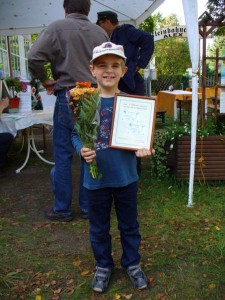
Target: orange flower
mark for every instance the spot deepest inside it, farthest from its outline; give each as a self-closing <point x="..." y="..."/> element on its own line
<point x="84" y="102"/>
<point x="82" y="91"/>
<point x="85" y="84"/>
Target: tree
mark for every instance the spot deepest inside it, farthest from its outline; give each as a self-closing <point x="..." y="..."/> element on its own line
<point x="216" y="9"/>
<point x="171" y="55"/>
<point x="218" y="43"/>
<point x="151" y="23"/>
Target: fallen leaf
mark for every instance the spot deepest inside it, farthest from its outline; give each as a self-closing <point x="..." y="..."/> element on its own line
<point x="117" y="296"/>
<point x="190" y="240"/>
<point x="212" y="286"/>
<point x="58" y="291"/>
<point x="70" y="281"/>
<point x="160" y="274"/>
<point x="38" y="297"/>
<point x="69" y="291"/>
<point x="152" y="281"/>
<point x="161" y="296"/>
<point x="204" y="220"/>
<point x="19" y="270"/>
<point x="217" y="228"/>
<point x="84" y="273"/>
<point x="207" y="229"/>
<point x="37" y="282"/>
<point x="77" y="263"/>
<point x="128" y="296"/>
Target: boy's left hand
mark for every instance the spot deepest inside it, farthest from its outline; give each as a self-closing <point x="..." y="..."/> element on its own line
<point x="144" y="152"/>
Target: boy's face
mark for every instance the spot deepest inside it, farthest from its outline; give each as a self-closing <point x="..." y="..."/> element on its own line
<point x="108" y="69"/>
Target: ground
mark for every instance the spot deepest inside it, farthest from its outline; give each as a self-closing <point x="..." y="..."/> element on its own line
<point x="30" y="190"/>
<point x="182" y="249"/>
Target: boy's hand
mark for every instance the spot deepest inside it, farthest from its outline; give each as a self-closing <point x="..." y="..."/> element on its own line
<point x="88" y="154"/>
<point x="144" y="152"/>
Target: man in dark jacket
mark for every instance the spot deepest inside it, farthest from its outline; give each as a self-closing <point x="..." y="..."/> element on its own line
<point x="138" y="47"/>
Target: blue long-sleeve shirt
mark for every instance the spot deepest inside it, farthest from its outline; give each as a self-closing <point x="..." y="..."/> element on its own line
<point x="118" y="167"/>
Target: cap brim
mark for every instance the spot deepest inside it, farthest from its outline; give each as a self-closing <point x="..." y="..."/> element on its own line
<point x="108" y="52"/>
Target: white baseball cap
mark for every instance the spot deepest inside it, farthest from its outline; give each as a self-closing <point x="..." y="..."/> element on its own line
<point x="108" y="48"/>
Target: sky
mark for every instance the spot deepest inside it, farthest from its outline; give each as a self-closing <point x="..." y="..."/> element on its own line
<point x="176" y="7"/>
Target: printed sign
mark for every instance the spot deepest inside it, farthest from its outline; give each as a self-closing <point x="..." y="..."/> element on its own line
<point x="170" y="32"/>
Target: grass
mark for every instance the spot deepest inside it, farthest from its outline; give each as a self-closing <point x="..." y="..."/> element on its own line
<point x="182" y="249"/>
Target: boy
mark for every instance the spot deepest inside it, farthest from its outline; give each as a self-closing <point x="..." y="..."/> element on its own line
<point x="119" y="178"/>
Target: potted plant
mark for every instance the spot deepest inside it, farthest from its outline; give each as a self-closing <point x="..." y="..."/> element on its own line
<point x="209" y="154"/>
<point x="15" y="86"/>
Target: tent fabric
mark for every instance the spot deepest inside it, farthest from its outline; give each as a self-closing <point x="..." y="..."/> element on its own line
<point x="191" y="18"/>
<point x="31" y="16"/>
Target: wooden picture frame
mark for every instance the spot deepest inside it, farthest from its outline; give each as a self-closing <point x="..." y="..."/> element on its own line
<point x="133" y="122"/>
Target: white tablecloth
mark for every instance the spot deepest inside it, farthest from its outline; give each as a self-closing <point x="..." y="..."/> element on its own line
<point x="17" y="121"/>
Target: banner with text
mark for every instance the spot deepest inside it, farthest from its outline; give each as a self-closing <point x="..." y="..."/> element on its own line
<point x="170" y="32"/>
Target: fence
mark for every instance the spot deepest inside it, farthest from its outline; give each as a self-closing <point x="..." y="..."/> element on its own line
<point x="177" y="81"/>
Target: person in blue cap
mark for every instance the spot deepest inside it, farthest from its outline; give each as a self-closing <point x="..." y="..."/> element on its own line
<point x="138" y="47"/>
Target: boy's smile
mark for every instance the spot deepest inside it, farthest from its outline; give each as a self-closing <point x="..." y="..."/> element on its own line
<point x="108" y="69"/>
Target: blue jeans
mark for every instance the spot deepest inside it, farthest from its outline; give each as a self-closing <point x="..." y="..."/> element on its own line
<point x="125" y="202"/>
<point x="61" y="173"/>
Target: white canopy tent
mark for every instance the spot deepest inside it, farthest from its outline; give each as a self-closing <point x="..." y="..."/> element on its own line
<point x="30" y="16"/>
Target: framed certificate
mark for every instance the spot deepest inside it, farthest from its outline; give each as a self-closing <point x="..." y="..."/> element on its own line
<point x="133" y="122"/>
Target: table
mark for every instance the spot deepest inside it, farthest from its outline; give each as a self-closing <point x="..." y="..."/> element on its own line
<point x="168" y="100"/>
<point x="24" y="121"/>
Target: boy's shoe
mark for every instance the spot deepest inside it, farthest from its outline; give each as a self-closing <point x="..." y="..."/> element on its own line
<point x="137" y="276"/>
<point x="101" y="279"/>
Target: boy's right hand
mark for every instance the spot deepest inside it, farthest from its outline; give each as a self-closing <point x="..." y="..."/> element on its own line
<point x="88" y="154"/>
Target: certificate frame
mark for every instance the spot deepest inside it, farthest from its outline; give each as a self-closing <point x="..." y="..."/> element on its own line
<point x="133" y="122"/>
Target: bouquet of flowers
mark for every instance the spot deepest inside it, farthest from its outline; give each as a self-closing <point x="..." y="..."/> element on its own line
<point x="84" y="101"/>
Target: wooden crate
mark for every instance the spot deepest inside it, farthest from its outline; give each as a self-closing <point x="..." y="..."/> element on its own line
<point x="211" y="149"/>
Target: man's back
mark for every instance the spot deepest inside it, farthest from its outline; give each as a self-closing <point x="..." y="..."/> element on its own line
<point x="68" y="45"/>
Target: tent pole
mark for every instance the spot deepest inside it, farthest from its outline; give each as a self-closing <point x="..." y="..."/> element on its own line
<point x="9" y="56"/>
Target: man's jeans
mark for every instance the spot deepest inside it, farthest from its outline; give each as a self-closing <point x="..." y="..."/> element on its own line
<point x="61" y="173"/>
<point x="125" y="202"/>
